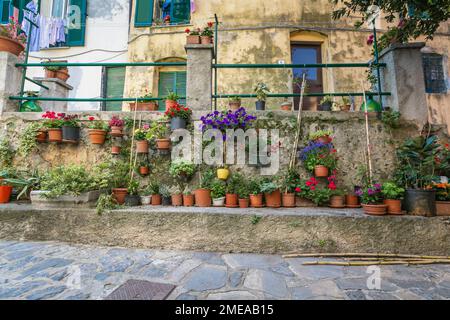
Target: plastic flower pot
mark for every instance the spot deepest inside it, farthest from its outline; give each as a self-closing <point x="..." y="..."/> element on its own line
<point x="219" y="202"/>
<point x="71" y="134"/>
<point x="192" y="39"/>
<point x="234" y="105"/>
<point x="231" y="200"/>
<point x="260" y="105"/>
<point x="321" y="171"/>
<point x="375" y="209"/>
<point x="304" y="203"/>
<point x="188" y="200"/>
<point x="115" y="150"/>
<point x="146" y="200"/>
<point x="166" y="201"/>
<point x="5" y="193"/>
<point x="54" y="135"/>
<point x="325" y="106"/>
<point x="273" y="200"/>
<point x="163" y="144"/>
<point x="288" y="200"/>
<point x="144" y="170"/>
<point x="256" y="200"/>
<point x="97" y="136"/>
<point x="120" y="194"/>
<point x="142" y="146"/>
<point x="352" y="201"/>
<point x="177" y="123"/>
<point x="244" y="203"/>
<point x="132" y="200"/>
<point x="41" y="136"/>
<point x="420" y="202"/>
<point x="177" y="200"/>
<point x="393" y="206"/>
<point x="337" y="202"/>
<point x="223" y="174"/>
<point x="156" y="200"/>
<point x="116" y="131"/>
<point x="171" y="104"/>
<point x="443" y="208"/>
<point x="144" y="106"/>
<point x="11" y="46"/>
<point x="203" y="198"/>
<point x="62" y="74"/>
<point x="205" y="40"/>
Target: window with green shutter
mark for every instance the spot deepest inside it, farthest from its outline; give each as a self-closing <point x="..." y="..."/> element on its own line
<point x="144" y="13"/>
<point x="180" y="11"/>
<point x="113" y="86"/>
<point x="77" y="25"/>
<point x="172" y="82"/>
<point x="6" y="11"/>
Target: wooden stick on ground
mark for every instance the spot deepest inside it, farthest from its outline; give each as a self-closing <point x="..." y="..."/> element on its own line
<point x="365" y="255"/>
<point x="372" y="263"/>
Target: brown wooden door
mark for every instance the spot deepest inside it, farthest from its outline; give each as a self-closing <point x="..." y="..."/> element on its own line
<point x="305" y="53"/>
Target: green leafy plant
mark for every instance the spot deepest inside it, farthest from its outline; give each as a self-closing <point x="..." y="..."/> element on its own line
<point x="97" y="124"/>
<point x="157" y="130"/>
<point x="391" y="119"/>
<point x="182" y="168"/>
<point x="269" y="186"/>
<point x="243" y="189"/>
<point x="254" y="186"/>
<point x="187" y="190"/>
<point x="218" y="189"/>
<point x="327" y="100"/>
<point x="290" y="181"/>
<point x="164" y="191"/>
<point x="114" y="174"/>
<point x="153" y="188"/>
<point x="175" y="189"/>
<point x="206" y="179"/>
<point x="6" y="154"/>
<point x="28" y="138"/>
<point x="261" y="91"/>
<point x="391" y="191"/>
<point x="320" y="134"/>
<point x="133" y="187"/>
<point x="256" y="219"/>
<point x="172" y="96"/>
<point x="140" y="134"/>
<point x="25" y="183"/>
<point x="105" y="203"/>
<point x="235" y="99"/>
<point x="233" y="183"/>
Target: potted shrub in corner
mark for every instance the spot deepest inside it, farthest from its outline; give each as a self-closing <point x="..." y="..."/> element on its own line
<point x="203" y="192"/>
<point x="256" y="197"/>
<point x="12" y="39"/>
<point x="70" y="128"/>
<point x="193" y="36"/>
<point x="218" y="190"/>
<point x="97" y="130"/>
<point x="272" y="194"/>
<point x="116" y="126"/>
<point x="171" y="100"/>
<point x="372" y="200"/>
<point x="154" y="190"/>
<point x="179" y="116"/>
<point x="261" y="91"/>
<point x="393" y="196"/>
<point x="234" y="103"/>
<point x="132" y="199"/>
<point x="53" y="123"/>
<point x="231" y="196"/>
<point x="188" y="197"/>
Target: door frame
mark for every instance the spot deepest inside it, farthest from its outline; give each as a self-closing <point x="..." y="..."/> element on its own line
<point x="311" y="44"/>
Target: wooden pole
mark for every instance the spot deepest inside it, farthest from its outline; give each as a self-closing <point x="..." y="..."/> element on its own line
<point x="365" y="255"/>
<point x="372" y="263"/>
<point x="299" y="124"/>
<point x="132" y="140"/>
<point x="369" y="153"/>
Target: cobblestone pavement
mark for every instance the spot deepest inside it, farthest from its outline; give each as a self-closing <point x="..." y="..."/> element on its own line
<point x="30" y="270"/>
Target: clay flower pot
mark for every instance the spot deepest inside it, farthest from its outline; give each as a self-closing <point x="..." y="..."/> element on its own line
<point x="62" y="74"/>
<point x="234" y="105"/>
<point x="244" y="203"/>
<point x="443" y="208"/>
<point x="286" y="107"/>
<point x="231" y="200"/>
<point x="321" y="171"/>
<point x="188" y="200"/>
<point x="223" y="174"/>
<point x="142" y="146"/>
<point x="273" y="200"/>
<point x="54" y="135"/>
<point x="352" y="201"/>
<point x="177" y="200"/>
<point x="97" y="136"/>
<point x="205" y="40"/>
<point x="171" y="104"/>
<point x="41" y="136"/>
<point x="5" y="193"/>
<point x="156" y="200"/>
<point x="203" y="198"/>
<point x="144" y="170"/>
<point x="192" y="39"/>
<point x="256" y="200"/>
<point x="337" y="202"/>
<point x="144" y="106"/>
<point x="288" y="200"/>
<point x="116" y="131"/>
<point x="393" y="206"/>
<point x="50" y="74"/>
<point x="163" y="144"/>
<point x="375" y="209"/>
<point x="120" y="194"/>
<point x="11" y="46"/>
<point x="115" y="150"/>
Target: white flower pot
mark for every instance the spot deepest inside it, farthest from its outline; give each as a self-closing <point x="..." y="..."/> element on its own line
<point x="146" y="200"/>
<point x="219" y="202"/>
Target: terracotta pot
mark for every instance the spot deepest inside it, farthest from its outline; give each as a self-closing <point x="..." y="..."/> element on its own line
<point x="193" y="39"/>
<point x="273" y="200"/>
<point x="443" y="208"/>
<point x="304" y="203"/>
<point x="256" y="200"/>
<point x="50" y="74"/>
<point x="375" y="209"/>
<point x="234" y="105"/>
<point x="120" y="194"/>
<point x="170" y="104"/>
<point x="352" y="201"/>
<point x="286" y="107"/>
<point x="231" y="200"/>
<point x="163" y="144"/>
<point x="321" y="171"/>
<point x="54" y="135"/>
<point x="5" y="193"/>
<point x="337" y="202"/>
<point x="144" y="171"/>
<point x="346" y="107"/>
<point x="97" y="136"/>
<point x="203" y="198"/>
<point x="205" y="40"/>
<point x="115" y="150"/>
<point x="11" y="46"/>
<point x="177" y="200"/>
<point x="288" y="200"/>
<point x="393" y="206"/>
<point x="62" y="74"/>
<point x="116" y="131"/>
<point x="142" y="146"/>
<point x="41" y="136"/>
<point x="156" y="200"/>
<point x="244" y="203"/>
<point x="223" y="174"/>
<point x="144" y="106"/>
<point x="324" y="139"/>
<point x="188" y="200"/>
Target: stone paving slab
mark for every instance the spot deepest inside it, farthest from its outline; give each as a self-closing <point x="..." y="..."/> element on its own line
<point x="51" y="270"/>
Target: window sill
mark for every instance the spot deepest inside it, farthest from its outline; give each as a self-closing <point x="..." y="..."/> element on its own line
<point x="55" y="48"/>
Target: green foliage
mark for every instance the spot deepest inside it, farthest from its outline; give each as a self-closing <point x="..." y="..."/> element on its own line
<point x="187" y="190"/>
<point x="106" y="202"/>
<point x="290" y="181"/>
<point x="235" y="99"/>
<point x="153" y="188"/>
<point x="172" y="96"/>
<point x="392" y="192"/>
<point x="327" y="99"/>
<point x="207" y="178"/>
<point x="133" y="187"/>
<point x="25" y="182"/>
<point x="164" y="191"/>
<point x="254" y="186"/>
<point x="218" y="189"/>
<point x="158" y="130"/>
<point x="6" y="154"/>
<point x="269" y="186"/>
<point x="115" y="174"/>
<point x="261" y="91"/>
<point x="234" y="182"/>
<point x="182" y="168"/>
<point x="28" y="138"/>
<point x="391" y="119"/>
<point x="256" y="219"/>
<point x="243" y="189"/>
<point x="319" y="196"/>
<point x="319" y="134"/>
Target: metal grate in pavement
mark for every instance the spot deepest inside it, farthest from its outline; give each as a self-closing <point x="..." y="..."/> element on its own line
<point x="141" y="290"/>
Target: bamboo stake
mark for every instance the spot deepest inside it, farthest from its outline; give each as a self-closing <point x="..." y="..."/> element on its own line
<point x="368" y="263"/>
<point x="364" y="255"/>
<point x="132" y="139"/>
<point x="366" y="113"/>
<point x="299" y="124"/>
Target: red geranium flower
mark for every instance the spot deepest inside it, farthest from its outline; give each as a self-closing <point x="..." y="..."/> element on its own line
<point x="187" y="30"/>
<point x="210" y="24"/>
<point x="91" y="118"/>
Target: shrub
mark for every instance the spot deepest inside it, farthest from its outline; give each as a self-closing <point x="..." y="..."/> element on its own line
<point x="182" y="168"/>
<point x="392" y="192"/>
<point x="218" y="189"/>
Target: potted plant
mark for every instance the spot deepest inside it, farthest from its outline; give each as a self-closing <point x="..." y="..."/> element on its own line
<point x="171" y="100"/>
<point x="132" y="199"/>
<point x="144" y="169"/>
<point x="261" y="91"/>
<point x="234" y="103"/>
<point x="53" y="123"/>
<point x="231" y="196"/>
<point x="243" y="192"/>
<point x="146" y="197"/>
<point x="116" y="126"/>
<point x="119" y="178"/>
<point x="176" y="196"/>
<point x="58" y="72"/>
<point x="372" y="200"/>
<point x="326" y="104"/>
<point x="337" y="198"/>
<point x="207" y="34"/>
<point x="97" y="130"/>
<point x="188" y="197"/>
<point x="352" y="200"/>
<point x="393" y="196"/>
<point x="115" y="149"/>
<point x="271" y="191"/>
<point x="442" y="198"/>
<point x="70" y="128"/>
<point x="286" y="106"/>
<point x="5" y="191"/>
<point x="141" y="135"/>
<point x="223" y="173"/>
<point x="193" y="36"/>
<point x="154" y="190"/>
<point x="256" y="197"/>
<point x="12" y="38"/>
<point x="41" y="133"/>
<point x="166" y="197"/>
<point x="323" y="136"/>
<point x="416" y="171"/>
<point x="179" y="116"/>
<point x="303" y="192"/>
<point x="346" y="105"/>
<point x="159" y="132"/>
<point x="143" y="103"/>
<point x="182" y="169"/>
<point x="218" y="190"/>
<point x="167" y="20"/>
<point x="203" y="193"/>
<point x="290" y="183"/>
<point x="319" y="158"/>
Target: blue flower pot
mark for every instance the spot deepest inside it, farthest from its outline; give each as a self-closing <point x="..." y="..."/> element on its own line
<point x="177" y="123"/>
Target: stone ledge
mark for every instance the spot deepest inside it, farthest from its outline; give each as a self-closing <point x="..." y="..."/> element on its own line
<point x="54" y="80"/>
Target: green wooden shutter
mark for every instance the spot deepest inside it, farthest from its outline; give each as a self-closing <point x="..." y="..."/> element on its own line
<point x="76" y="36"/>
<point x="5" y="11"/>
<point x="115" y="83"/>
<point x="144" y="13"/>
<point x="172" y="82"/>
<point x="181" y="11"/>
<point x="181" y="86"/>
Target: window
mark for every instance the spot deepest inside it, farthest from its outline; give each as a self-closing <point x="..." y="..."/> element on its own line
<point x="172" y="82"/>
<point x="77" y="23"/>
<point x="148" y="11"/>
<point x="433" y="69"/>
<point x="178" y="10"/>
<point x="6" y="11"/>
<point x="113" y="86"/>
<point x="59" y="8"/>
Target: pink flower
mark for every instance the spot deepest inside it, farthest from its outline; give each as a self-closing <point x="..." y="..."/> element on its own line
<point x="370" y="40"/>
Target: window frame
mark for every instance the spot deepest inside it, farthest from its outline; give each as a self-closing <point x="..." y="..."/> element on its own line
<point x="104" y="86"/>
<point x="431" y="66"/>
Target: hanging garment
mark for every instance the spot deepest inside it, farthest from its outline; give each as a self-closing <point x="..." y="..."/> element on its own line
<point x="192" y="6"/>
<point x="60" y="31"/>
<point x="166" y="8"/>
<point x="34" y="36"/>
<point x="45" y="32"/>
<point x="52" y="31"/>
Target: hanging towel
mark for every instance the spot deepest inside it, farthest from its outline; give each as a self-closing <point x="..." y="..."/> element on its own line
<point x="192" y="6"/>
<point x="52" y="31"/>
<point x="34" y="37"/>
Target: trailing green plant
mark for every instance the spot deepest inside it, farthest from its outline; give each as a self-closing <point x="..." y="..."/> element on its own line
<point x="261" y="91"/>
<point x="182" y="168"/>
<point x="391" y="191"/>
<point x="105" y="203"/>
<point x="391" y="119"/>
<point x="6" y="154"/>
<point x="218" y="189"/>
<point x="28" y="138"/>
<point x="157" y="130"/>
<point x="269" y="186"/>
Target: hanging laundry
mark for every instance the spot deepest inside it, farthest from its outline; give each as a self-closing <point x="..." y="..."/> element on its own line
<point x="52" y="32"/>
<point x="192" y="6"/>
<point x="61" y="32"/>
<point x="45" y="32"/>
<point x="34" y="37"/>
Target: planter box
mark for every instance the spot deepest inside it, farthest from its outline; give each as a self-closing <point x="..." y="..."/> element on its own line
<point x="443" y="208"/>
<point x="85" y="200"/>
